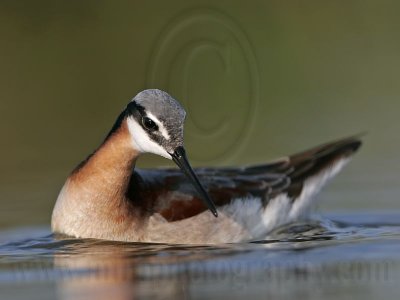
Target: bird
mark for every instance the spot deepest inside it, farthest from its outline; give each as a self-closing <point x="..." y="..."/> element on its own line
<point x="107" y="197"/>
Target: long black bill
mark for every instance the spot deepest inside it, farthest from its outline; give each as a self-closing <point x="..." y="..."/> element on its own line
<point x="179" y="157"/>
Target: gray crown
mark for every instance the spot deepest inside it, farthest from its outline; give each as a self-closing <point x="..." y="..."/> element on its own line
<point x="168" y="111"/>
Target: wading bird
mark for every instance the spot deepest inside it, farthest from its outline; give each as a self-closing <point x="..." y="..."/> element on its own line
<point x="106" y="197"/>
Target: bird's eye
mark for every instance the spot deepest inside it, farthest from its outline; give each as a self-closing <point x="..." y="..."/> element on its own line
<point x="149" y="124"/>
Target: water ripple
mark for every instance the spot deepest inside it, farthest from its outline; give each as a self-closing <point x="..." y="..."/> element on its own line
<point x="317" y="250"/>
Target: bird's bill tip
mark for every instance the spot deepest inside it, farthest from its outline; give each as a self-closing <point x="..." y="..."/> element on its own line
<point x="179" y="157"/>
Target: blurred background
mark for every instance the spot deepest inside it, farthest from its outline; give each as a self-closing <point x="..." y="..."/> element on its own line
<point x="259" y="80"/>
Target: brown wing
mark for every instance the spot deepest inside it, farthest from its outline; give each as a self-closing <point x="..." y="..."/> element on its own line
<point x="168" y="192"/>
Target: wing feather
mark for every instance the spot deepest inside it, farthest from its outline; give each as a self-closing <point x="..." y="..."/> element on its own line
<point x="168" y="192"/>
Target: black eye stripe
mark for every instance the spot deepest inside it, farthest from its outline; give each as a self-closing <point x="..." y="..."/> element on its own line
<point x="149" y="124"/>
<point x="133" y="108"/>
<point x="139" y="113"/>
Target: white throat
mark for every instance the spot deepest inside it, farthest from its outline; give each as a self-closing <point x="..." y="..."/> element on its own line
<point x="142" y="142"/>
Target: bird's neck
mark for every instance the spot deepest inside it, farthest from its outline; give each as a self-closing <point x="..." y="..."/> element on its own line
<point x="96" y="189"/>
<point x="106" y="173"/>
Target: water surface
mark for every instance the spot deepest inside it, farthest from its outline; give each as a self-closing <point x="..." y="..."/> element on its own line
<point x="345" y="255"/>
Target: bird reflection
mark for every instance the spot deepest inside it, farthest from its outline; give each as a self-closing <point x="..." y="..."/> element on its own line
<point x="97" y="269"/>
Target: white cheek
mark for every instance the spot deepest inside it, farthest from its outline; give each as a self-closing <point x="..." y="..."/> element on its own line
<point x="142" y="142"/>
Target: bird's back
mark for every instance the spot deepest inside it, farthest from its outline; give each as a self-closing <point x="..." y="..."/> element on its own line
<point x="169" y="193"/>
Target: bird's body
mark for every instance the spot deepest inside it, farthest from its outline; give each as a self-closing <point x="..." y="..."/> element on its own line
<point x="105" y="197"/>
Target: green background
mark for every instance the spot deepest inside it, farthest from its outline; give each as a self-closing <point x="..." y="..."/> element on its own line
<point x="260" y="79"/>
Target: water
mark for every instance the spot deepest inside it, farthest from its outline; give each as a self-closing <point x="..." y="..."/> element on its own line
<point x="347" y="256"/>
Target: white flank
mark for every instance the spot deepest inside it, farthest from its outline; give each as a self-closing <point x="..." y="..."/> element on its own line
<point x="303" y="204"/>
<point x="258" y="221"/>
